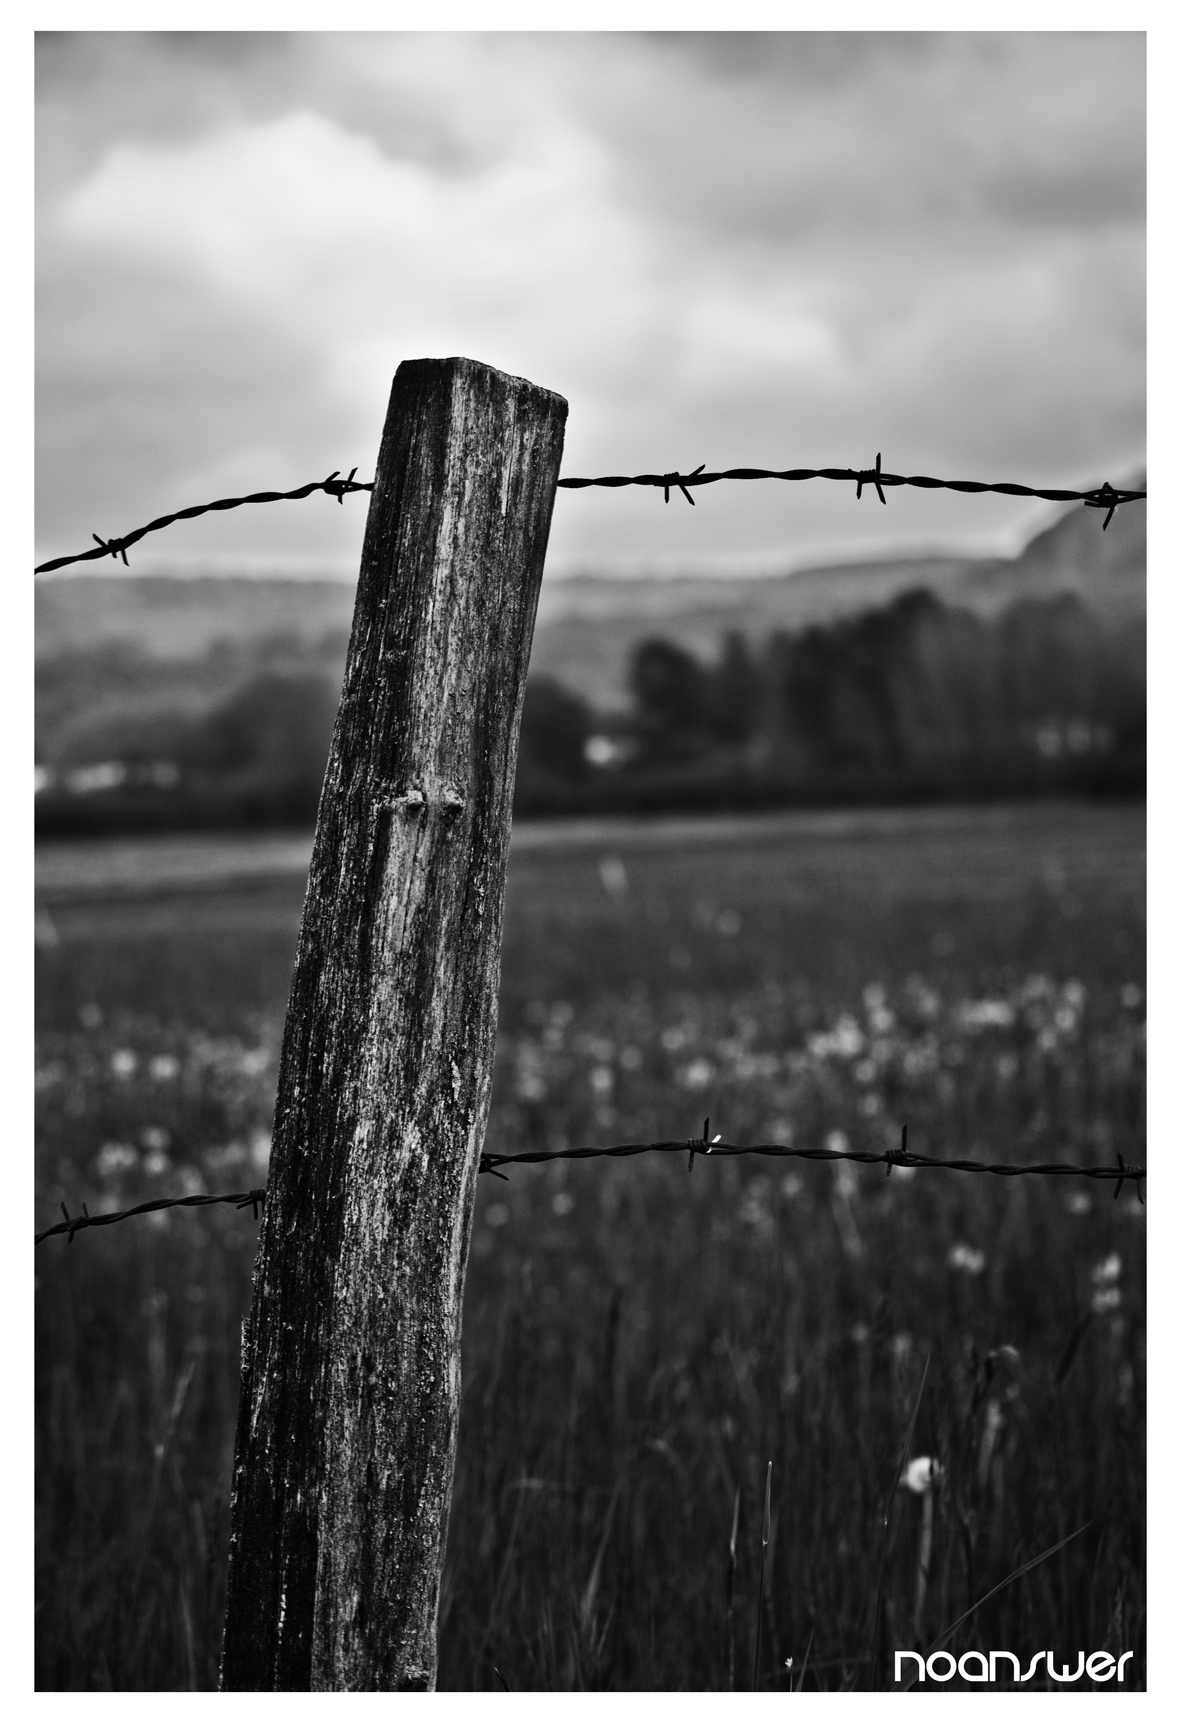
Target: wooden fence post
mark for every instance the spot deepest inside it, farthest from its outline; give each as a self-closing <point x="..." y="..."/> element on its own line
<point x="350" y="1371"/>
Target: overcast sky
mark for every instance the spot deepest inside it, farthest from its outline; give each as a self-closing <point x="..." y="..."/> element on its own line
<point x="770" y="250"/>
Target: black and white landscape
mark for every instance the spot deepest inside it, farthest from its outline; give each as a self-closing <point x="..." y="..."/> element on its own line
<point x="828" y="829"/>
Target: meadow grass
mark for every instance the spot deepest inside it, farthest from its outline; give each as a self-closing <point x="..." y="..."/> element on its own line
<point x="640" y="1342"/>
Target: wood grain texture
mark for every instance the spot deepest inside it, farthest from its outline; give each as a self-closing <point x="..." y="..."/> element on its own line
<point x="350" y="1378"/>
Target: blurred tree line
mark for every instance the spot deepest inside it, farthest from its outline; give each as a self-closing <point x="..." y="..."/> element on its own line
<point x="913" y="700"/>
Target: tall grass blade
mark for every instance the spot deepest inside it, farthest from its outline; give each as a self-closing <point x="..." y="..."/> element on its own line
<point x="733" y="1569"/>
<point x="754" y="1679"/>
<point x="1026" y="1567"/>
<point x="877" y="1602"/>
<point x="798" y="1688"/>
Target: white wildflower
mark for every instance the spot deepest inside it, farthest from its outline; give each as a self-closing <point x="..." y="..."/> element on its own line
<point x="921" y="1474"/>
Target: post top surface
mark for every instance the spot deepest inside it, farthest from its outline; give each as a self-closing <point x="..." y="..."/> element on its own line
<point x="477" y="367"/>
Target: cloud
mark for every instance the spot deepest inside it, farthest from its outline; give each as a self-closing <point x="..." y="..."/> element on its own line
<point x="787" y="248"/>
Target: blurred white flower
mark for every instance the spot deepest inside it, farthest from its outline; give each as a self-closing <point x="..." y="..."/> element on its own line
<point x="791" y="1185"/>
<point x="115" y="1158"/>
<point x="877" y="1014"/>
<point x="1108" y="1271"/>
<point x="837" y="1143"/>
<point x="260" y="1150"/>
<point x="163" y="1068"/>
<point x="1129" y="996"/>
<point x="673" y="1038"/>
<point x="614" y="877"/>
<point x="963" y="1257"/>
<point x="1078" y="1202"/>
<point x="562" y="1203"/>
<point x="976" y="1014"/>
<point x="845" y="1179"/>
<point x="922" y="1057"/>
<point x="847" y="1038"/>
<point x="921" y="1474"/>
<point x="729" y="923"/>
<point x="922" y="998"/>
<point x="631" y="1058"/>
<point x="1105" y="1300"/>
<point x="231" y="1154"/>
<point x="154" y="1137"/>
<point x="602" y="1079"/>
<point x="497" y="1215"/>
<point x="123" y="1062"/>
<point x="696" y="1075"/>
<point x="753" y="1210"/>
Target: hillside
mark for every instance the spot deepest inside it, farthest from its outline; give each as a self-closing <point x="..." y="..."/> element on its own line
<point x="587" y="625"/>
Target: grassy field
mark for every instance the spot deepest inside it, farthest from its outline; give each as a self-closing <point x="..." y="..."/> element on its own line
<point x="638" y="1342"/>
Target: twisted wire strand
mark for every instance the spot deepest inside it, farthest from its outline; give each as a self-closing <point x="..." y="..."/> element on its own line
<point x="1104" y="496"/>
<point x="333" y="485"/>
<point x="717" y="1149"/>
<point x="77" y="1223"/>
<point x="889" y="1158"/>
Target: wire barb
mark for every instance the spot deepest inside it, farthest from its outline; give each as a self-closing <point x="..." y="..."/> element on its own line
<point x="1105" y="497"/>
<point x="679" y="479"/>
<point x="872" y="476"/>
<point x="116" y="547"/>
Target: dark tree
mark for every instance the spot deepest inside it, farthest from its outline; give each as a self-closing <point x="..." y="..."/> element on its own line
<point x="555" y="725"/>
<point x="671" y="693"/>
<point x="736" y="707"/>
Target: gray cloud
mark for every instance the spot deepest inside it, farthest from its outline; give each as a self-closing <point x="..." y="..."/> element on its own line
<point x="754" y="248"/>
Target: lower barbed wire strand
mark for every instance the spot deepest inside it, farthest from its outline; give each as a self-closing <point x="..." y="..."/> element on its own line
<point x="491" y="1163"/>
<point x="78" y="1223"/>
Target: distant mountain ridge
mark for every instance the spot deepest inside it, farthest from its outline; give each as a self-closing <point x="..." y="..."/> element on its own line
<point x="587" y="625"/>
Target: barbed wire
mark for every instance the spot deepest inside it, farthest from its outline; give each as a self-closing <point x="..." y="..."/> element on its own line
<point x="889" y="1158"/>
<point x="1104" y="496"/>
<point x="334" y="485"/>
<point x="694" y="1146"/>
<point x="77" y="1223"/>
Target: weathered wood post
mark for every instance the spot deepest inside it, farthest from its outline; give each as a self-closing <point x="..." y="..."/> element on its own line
<point x="350" y="1374"/>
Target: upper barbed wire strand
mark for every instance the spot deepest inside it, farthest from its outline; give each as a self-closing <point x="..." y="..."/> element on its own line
<point x="1103" y="496"/>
